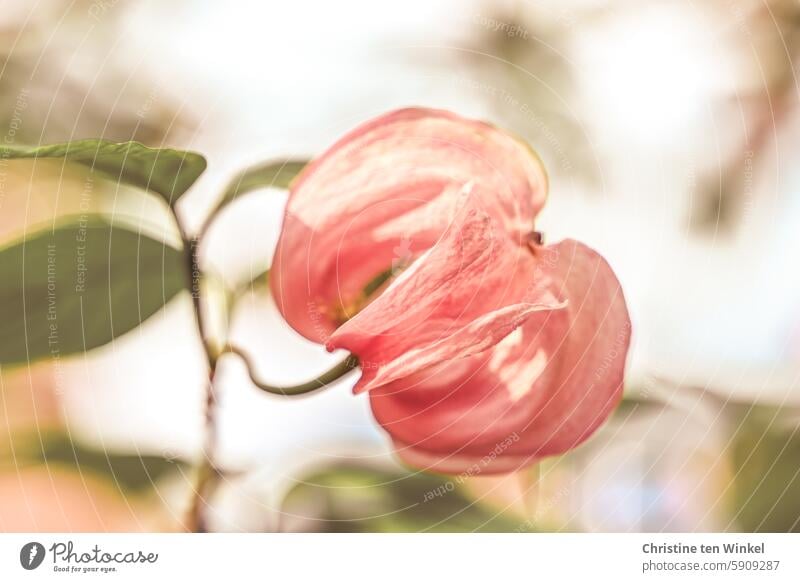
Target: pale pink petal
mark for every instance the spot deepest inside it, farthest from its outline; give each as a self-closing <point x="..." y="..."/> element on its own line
<point x="547" y="386"/>
<point x="392" y="184"/>
<point x="462" y="297"/>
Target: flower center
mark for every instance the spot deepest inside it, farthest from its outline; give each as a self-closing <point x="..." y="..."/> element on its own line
<point x="349" y="308"/>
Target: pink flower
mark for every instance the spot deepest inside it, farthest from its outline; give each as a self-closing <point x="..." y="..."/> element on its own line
<point x="484" y="349"/>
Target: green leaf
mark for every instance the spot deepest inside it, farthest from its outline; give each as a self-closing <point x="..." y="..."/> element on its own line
<point x="256" y="283"/>
<point x="267" y="175"/>
<point x="78" y="286"/>
<point x="167" y="172"/>
<point x="766" y="459"/>
<point x="130" y="472"/>
<point x="354" y="498"/>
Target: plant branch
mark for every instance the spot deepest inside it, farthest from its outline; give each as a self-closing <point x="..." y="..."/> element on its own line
<point x="339" y="371"/>
<point x="207" y="472"/>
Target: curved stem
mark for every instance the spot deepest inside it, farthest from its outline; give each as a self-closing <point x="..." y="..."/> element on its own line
<point x="339" y="371"/>
<point x="208" y="472"/>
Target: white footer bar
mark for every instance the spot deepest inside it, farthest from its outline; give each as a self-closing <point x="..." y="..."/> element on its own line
<point x="400" y="557"/>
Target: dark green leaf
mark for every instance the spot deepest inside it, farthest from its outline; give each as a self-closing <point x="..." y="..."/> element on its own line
<point x="167" y="172"/>
<point x="130" y="472"/>
<point x="766" y="458"/>
<point x="267" y="175"/>
<point x="363" y="499"/>
<point x="78" y="286"/>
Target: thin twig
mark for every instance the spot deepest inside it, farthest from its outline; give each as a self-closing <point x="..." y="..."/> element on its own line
<point x="339" y="371"/>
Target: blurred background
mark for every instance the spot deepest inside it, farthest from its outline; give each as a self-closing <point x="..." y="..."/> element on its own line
<point x="669" y="130"/>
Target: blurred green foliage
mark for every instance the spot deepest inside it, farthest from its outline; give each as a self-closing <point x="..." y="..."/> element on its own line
<point x="766" y="456"/>
<point x="129" y="472"/>
<point x="350" y="498"/>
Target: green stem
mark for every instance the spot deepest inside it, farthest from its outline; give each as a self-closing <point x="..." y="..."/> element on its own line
<point x="339" y="371"/>
<point x="207" y="471"/>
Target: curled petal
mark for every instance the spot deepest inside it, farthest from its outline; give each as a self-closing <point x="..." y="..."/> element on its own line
<point x="540" y="391"/>
<point x="487" y="351"/>
<point x="384" y="194"/>
<point x="466" y="294"/>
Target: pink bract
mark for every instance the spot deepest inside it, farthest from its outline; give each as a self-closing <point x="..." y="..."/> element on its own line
<point x="484" y="348"/>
